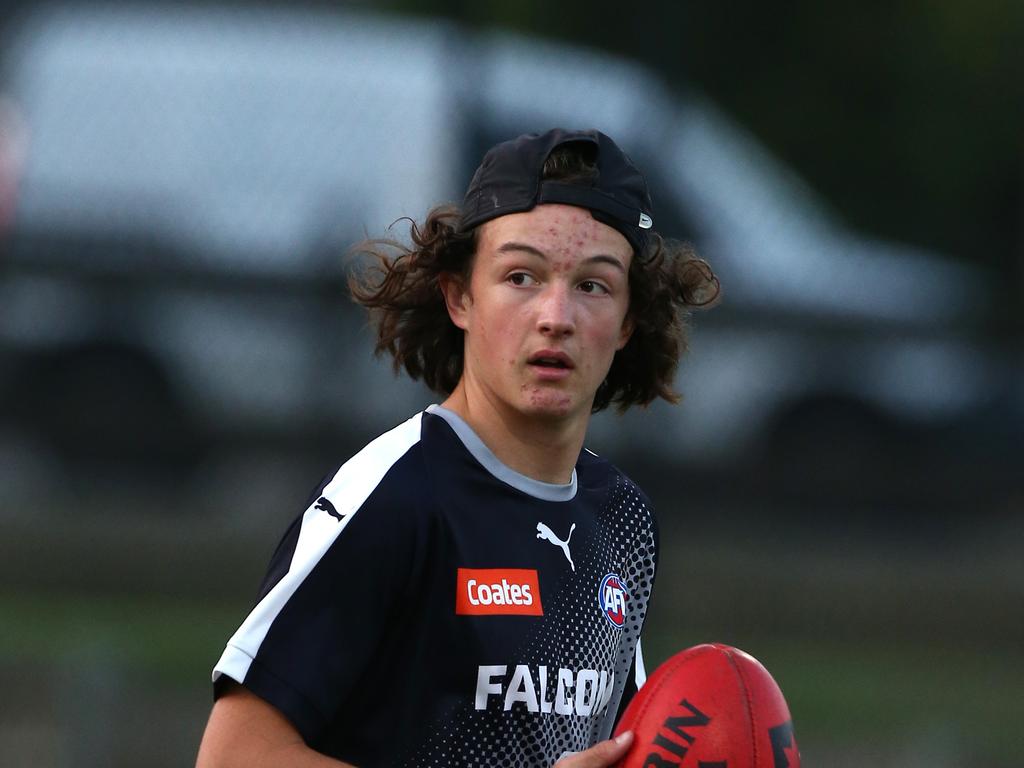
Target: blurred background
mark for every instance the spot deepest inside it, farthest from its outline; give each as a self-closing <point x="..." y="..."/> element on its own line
<point x="840" y="493"/>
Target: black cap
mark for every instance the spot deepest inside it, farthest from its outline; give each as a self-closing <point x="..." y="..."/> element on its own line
<point x="509" y="181"/>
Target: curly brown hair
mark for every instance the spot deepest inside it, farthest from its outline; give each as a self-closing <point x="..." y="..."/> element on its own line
<point x="402" y="291"/>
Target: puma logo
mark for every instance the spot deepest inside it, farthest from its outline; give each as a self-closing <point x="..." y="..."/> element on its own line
<point x="543" y="532"/>
<point x="326" y="506"/>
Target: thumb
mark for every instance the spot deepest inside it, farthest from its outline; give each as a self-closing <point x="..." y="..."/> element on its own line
<point x="601" y="755"/>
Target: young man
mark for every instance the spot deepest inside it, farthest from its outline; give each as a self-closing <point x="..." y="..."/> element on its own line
<point x="470" y="588"/>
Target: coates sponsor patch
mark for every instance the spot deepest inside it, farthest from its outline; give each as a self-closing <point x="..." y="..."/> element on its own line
<point x="498" y="591"/>
<point x="612" y="597"/>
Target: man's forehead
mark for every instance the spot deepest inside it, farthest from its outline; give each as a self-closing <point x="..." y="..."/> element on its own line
<point x="556" y="226"/>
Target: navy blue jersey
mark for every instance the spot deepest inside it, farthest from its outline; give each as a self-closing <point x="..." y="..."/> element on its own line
<point x="434" y="607"/>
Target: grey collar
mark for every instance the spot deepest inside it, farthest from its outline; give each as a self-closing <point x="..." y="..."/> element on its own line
<point x="490" y="462"/>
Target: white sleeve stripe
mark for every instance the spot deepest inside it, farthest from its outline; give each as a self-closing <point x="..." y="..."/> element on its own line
<point x="234" y="663"/>
<point x="641" y="671"/>
<point x="349" y="488"/>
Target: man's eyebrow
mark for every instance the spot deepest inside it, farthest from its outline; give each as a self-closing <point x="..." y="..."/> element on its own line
<point x="525" y="248"/>
<point x="511" y="245"/>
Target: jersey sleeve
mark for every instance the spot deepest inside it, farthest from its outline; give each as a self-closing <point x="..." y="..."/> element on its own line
<point x="333" y="593"/>
<point x="638" y="670"/>
<point x="634" y="682"/>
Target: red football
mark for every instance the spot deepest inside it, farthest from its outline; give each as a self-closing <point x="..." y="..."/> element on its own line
<point x="710" y="706"/>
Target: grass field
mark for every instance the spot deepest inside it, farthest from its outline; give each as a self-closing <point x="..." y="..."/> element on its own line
<point x="888" y="658"/>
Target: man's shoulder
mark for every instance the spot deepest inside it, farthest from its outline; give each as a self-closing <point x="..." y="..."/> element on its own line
<point x="594" y="469"/>
<point x="595" y="464"/>
<point x="390" y="465"/>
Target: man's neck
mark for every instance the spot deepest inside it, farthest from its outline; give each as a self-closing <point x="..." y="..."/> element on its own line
<point x="543" y="449"/>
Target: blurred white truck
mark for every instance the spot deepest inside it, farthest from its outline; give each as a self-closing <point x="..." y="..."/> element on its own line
<point x="180" y="186"/>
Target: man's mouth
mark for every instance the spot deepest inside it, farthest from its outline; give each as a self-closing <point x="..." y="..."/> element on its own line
<point x="551" y="360"/>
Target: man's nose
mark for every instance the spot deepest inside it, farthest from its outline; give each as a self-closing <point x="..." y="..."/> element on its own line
<point x="557" y="313"/>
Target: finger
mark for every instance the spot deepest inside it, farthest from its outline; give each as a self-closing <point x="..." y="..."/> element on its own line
<point x="602" y="755"/>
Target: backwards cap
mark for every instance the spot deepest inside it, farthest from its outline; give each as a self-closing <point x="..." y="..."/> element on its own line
<point x="509" y="181"/>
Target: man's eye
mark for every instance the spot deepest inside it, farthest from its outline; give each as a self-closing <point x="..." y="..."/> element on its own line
<point x="519" y="278"/>
<point x="592" y="286"/>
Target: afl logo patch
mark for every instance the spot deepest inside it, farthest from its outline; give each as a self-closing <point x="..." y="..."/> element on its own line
<point x="612" y="597"/>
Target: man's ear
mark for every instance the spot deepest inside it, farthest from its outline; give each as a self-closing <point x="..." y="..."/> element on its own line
<point x="456" y="297"/>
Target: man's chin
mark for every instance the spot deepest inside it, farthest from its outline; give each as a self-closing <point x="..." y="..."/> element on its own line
<point x="554" y="406"/>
